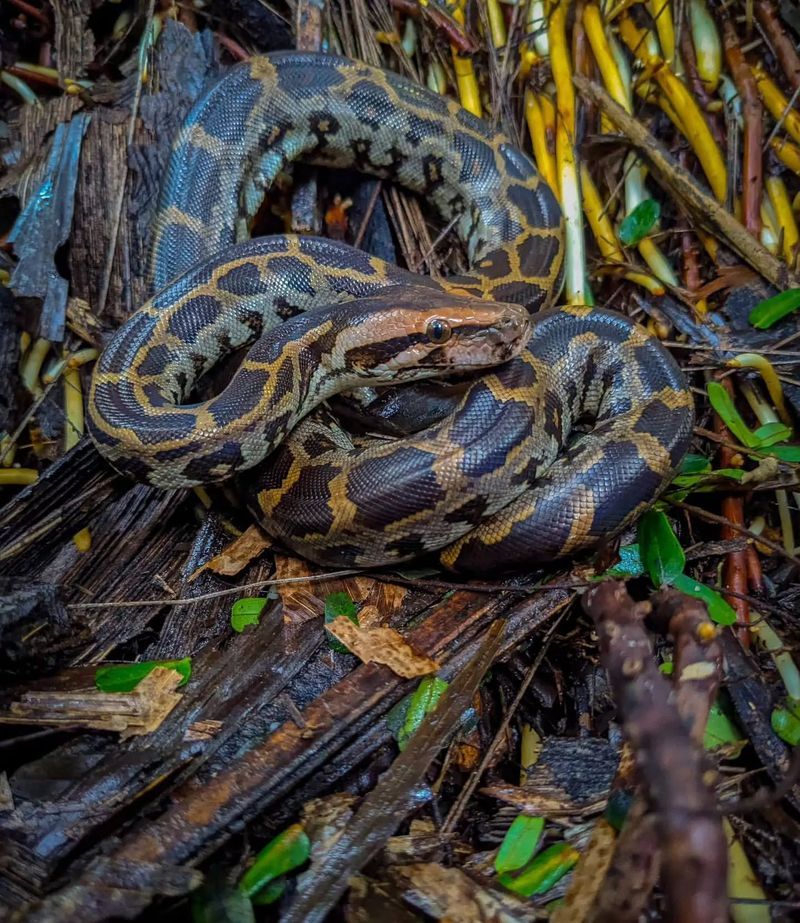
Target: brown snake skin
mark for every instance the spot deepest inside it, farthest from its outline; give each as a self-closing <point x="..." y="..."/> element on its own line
<point x="505" y="479"/>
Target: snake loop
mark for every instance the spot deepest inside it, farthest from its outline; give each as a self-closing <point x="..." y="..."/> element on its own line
<point x="507" y="477"/>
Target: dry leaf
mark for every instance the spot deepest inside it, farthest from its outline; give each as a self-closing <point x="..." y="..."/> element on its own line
<point x="382" y="645"/>
<point x="235" y="557"/>
<point x="130" y="714"/>
<point x="450" y="894"/>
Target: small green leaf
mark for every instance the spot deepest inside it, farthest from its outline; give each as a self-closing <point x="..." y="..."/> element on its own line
<point x="629" y="564"/>
<point x="547" y="868"/>
<point x="271" y="893"/>
<point x="123" y="677"/>
<point x="786" y="453"/>
<point x="638" y="224"/>
<point x="660" y="549"/>
<point x="422" y="702"/>
<point x="519" y="844"/>
<point x="338" y="604"/>
<point x="709" y="477"/>
<point x="770" y="311"/>
<point x="786" y="722"/>
<point x="246" y="612"/>
<point x="694" y="464"/>
<point x="722" y="402"/>
<point x="718" y="610"/>
<point x="289" y="850"/>
<point x="720" y="729"/>
<point x="770" y="433"/>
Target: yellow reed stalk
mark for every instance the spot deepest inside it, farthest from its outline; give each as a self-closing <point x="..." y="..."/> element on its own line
<point x="575" y="259"/>
<point x="779" y="197"/>
<point x="537" y="128"/>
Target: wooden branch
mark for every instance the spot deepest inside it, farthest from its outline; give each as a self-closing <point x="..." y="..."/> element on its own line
<point x="694" y="851"/>
<point x="705" y="210"/>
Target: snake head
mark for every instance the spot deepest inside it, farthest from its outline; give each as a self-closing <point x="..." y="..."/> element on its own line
<point x="412" y="334"/>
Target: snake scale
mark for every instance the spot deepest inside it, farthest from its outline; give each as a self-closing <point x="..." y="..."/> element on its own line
<point x="510" y="476"/>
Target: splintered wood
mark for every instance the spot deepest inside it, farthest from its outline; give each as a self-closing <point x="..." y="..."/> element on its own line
<point x="130" y="714"/>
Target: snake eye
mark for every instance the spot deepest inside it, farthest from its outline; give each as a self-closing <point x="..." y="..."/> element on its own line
<point x="438" y="330"/>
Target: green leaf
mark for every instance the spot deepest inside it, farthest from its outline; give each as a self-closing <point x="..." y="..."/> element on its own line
<point x="709" y="477"/>
<point x="770" y="433"/>
<point x="246" y="612"/>
<point x="271" y="893"/>
<point x="786" y="722"/>
<point x="547" y="868"/>
<point x="519" y="844"/>
<point x="289" y="850"/>
<point x="770" y="311"/>
<point x="629" y="564"/>
<point x="660" y="549"/>
<point x="720" y="729"/>
<point x="694" y="464"/>
<point x="718" y="610"/>
<point x="123" y="677"/>
<point x="786" y="453"/>
<point x="638" y="223"/>
<point x="722" y="402"/>
<point x="422" y="702"/>
<point x="337" y="604"/>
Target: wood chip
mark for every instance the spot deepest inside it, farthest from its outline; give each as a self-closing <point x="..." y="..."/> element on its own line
<point x="130" y="714"/>
<point x="382" y="645"/>
<point x="235" y="557"/>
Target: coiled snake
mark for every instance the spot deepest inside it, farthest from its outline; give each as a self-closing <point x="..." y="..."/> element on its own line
<point x="503" y="480"/>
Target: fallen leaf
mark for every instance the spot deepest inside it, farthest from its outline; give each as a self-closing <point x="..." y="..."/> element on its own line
<point x="235" y="557"/>
<point x="452" y="895"/>
<point x="382" y="645"/>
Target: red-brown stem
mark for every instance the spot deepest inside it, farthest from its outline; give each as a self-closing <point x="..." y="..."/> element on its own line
<point x="784" y="47"/>
<point x="31" y="11"/>
<point x="232" y="47"/>
<point x="734" y="568"/>
<point x="690" y="250"/>
<point x="449" y="27"/>
<point x="753" y="114"/>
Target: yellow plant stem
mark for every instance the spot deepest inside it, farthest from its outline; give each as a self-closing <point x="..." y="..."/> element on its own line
<point x="575" y="261"/>
<point x="73" y="431"/>
<point x="707" y="44"/>
<point x="18" y="476"/>
<point x="467" y="83"/>
<point x="777" y="104"/>
<point x="32" y="366"/>
<point x="601" y="49"/>
<point x="692" y="123"/>
<point x="497" y="24"/>
<point x="779" y="197"/>
<point x="537" y="128"/>
<point x="661" y="12"/>
<point x="787" y="153"/>
<point x="770" y="377"/>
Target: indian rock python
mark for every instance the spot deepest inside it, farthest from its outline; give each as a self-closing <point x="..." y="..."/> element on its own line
<point x="500" y="481"/>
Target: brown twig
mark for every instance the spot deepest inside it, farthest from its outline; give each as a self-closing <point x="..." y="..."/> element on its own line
<point x="753" y="115"/>
<point x="784" y="48"/>
<point x="671" y="765"/>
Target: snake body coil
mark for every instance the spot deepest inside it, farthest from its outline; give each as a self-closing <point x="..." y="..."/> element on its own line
<point x="500" y="481"/>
